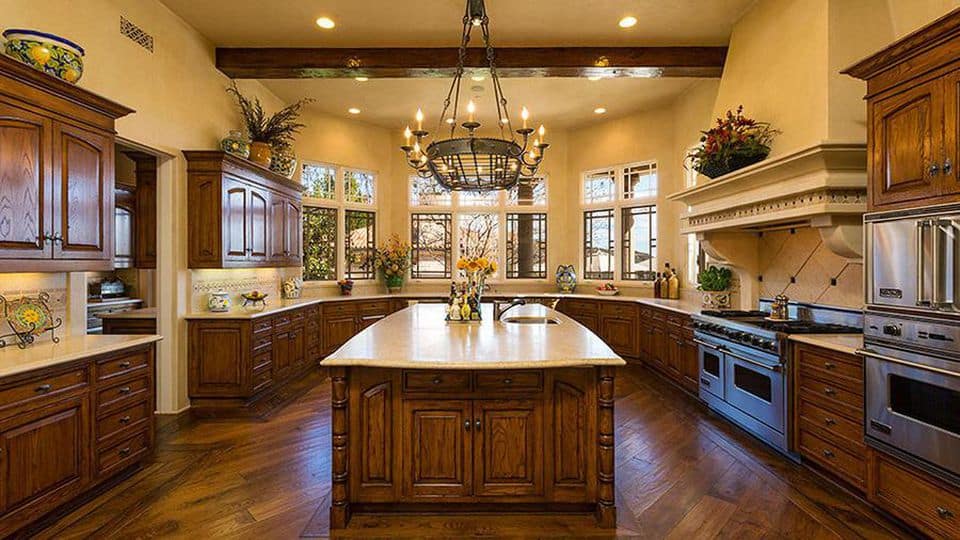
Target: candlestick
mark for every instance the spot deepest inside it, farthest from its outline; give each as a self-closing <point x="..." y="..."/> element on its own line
<point x="525" y="114"/>
<point x="407" y="134"/>
<point x="419" y="120"/>
<point x="471" y="108"/>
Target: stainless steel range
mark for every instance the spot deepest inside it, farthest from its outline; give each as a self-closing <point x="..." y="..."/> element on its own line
<point x="744" y="371"/>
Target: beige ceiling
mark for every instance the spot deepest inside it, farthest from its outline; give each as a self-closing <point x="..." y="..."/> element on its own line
<point x="555" y="102"/>
<point x="410" y="23"/>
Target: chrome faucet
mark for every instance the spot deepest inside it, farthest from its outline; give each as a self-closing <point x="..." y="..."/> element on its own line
<point x="499" y="310"/>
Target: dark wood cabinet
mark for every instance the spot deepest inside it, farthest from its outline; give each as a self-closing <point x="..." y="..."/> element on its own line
<point x="240" y="215"/>
<point x="57" y="170"/>
<point x="145" y="211"/>
<point x="585" y="312"/>
<point x="508" y="447"/>
<point x="619" y="327"/>
<point x="437" y="449"/>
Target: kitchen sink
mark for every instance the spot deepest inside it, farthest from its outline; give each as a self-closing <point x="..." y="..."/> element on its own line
<point x="530" y="320"/>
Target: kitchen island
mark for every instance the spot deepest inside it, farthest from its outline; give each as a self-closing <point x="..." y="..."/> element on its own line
<point x="430" y="416"/>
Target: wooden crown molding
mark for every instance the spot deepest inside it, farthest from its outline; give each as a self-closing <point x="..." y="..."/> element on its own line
<point x="411" y="62"/>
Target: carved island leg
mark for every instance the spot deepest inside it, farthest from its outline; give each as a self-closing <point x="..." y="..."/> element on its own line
<point x="340" y="496"/>
<point x="606" y="513"/>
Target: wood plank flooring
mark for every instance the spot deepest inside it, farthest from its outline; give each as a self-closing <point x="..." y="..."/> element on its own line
<point x="681" y="473"/>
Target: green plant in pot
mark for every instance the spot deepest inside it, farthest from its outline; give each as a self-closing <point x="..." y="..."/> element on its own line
<point x="393" y="260"/>
<point x="734" y="143"/>
<point x="268" y="132"/>
<point x="714" y="283"/>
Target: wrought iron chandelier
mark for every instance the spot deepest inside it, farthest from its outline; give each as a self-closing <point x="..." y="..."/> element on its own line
<point x="473" y="163"/>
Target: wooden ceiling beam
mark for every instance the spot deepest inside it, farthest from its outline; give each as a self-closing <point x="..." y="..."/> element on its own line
<point x="332" y="63"/>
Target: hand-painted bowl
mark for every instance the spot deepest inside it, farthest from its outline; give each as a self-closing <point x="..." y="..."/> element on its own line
<point x="45" y="52"/>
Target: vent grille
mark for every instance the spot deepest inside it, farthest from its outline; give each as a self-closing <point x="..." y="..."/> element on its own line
<point x="136" y="34"/>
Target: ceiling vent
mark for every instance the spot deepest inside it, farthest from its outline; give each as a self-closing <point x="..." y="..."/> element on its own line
<point x="136" y="34"/>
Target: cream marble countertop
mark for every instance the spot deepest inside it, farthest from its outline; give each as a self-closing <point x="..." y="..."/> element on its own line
<point x="685" y="306"/>
<point x="419" y="338"/>
<point x="844" y="343"/>
<point x="14" y="360"/>
<point x="145" y="313"/>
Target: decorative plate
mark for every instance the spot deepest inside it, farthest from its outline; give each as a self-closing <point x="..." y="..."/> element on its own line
<point x="29" y="315"/>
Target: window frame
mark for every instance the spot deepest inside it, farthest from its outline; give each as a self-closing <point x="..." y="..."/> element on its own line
<point x="619" y="203"/>
<point x="341" y="205"/>
<point x="501" y="209"/>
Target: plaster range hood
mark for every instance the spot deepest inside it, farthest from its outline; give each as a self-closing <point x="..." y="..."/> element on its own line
<point x="822" y="186"/>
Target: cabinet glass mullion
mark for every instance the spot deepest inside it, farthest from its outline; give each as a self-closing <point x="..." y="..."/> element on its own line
<point x="638" y="243"/>
<point x="598" y="244"/>
<point x="360" y="234"/>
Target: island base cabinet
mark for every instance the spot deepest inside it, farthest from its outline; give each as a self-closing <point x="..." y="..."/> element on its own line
<point x="494" y="440"/>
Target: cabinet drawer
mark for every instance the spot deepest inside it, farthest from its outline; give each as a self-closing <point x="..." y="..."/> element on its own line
<point x="436" y="381"/>
<point x="622" y="310"/>
<point x="116" y="367"/>
<point x="658" y="314"/>
<point x="262" y="376"/>
<point x="130" y="418"/>
<point x="124" y="392"/>
<point x="339" y="308"/>
<point x="262" y="342"/>
<point x="846" y="372"/>
<point x="850" y="467"/>
<point x="122" y="453"/>
<point x="580" y="306"/>
<point x="282" y="320"/>
<point x="509" y="380"/>
<point x="833" y="397"/>
<point x="261" y="360"/>
<point x="42" y="388"/>
<point x="820" y="420"/>
<point x="931" y="505"/>
<point x="262" y="325"/>
<point x="376" y="306"/>
<point x="677" y="319"/>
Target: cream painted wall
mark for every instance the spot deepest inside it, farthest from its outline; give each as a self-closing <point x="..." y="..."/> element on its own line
<point x="910" y="15"/>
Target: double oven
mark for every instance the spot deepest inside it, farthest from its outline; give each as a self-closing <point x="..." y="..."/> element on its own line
<point x="912" y="335"/>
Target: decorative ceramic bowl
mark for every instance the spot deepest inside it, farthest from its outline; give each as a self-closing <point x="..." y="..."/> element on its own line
<point x="235" y="143"/>
<point x="283" y="163"/>
<point x="608" y="292"/>
<point x="566" y="278"/>
<point x="45" y="52"/>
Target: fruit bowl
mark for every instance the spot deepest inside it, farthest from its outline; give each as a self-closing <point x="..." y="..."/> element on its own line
<point x="45" y="52"/>
<point x="608" y="290"/>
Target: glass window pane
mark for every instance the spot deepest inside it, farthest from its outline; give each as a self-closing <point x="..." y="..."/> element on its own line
<point x="428" y="192"/>
<point x="640" y="181"/>
<point x="319" y="181"/>
<point x="599" y="187"/>
<point x="431" y="241"/>
<point x="598" y="244"/>
<point x="361" y="234"/>
<point x="526" y="246"/>
<point x="639" y="243"/>
<point x="479" y="198"/>
<point x="319" y="243"/>
<point x="358" y="187"/>
<point x="528" y="192"/>
<point x="479" y="235"/>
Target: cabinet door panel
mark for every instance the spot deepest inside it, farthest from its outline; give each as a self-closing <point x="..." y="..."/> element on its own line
<point x="337" y="330"/>
<point x="573" y="458"/>
<point x="292" y="233"/>
<point x="907" y="135"/>
<point x="437" y="449"/>
<point x="83" y="197"/>
<point x="620" y="335"/>
<point x="25" y="185"/>
<point x="508" y="447"/>
<point x="949" y="181"/>
<point x="374" y="422"/>
<point x="146" y="222"/>
<point x="235" y="221"/>
<point x="278" y="222"/>
<point x="43" y="456"/>
<point x="258" y="214"/>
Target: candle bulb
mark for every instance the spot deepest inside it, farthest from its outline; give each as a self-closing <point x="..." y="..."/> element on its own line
<point x="525" y="114"/>
<point x="419" y="120"/>
<point x="407" y="134"/>
<point x="471" y="108"/>
<point x="542" y="132"/>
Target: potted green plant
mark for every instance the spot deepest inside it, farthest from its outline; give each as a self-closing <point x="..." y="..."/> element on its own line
<point x="268" y="132"/>
<point x="735" y="142"/>
<point x="393" y="261"/>
<point x="714" y="283"/>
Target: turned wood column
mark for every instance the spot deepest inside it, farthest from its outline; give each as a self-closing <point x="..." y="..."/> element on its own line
<point x="606" y="513"/>
<point x="340" y="496"/>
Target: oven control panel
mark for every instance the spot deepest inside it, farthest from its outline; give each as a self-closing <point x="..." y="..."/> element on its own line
<point x="904" y="330"/>
<point x="737" y="335"/>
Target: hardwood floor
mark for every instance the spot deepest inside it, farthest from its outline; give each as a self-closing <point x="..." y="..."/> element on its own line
<point x="681" y="473"/>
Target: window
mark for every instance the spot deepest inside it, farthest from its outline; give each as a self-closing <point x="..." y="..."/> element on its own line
<point x="507" y="226"/>
<point x="333" y="195"/>
<point x="620" y="222"/>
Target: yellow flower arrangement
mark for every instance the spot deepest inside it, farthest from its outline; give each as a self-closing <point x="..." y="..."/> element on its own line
<point x="393" y="258"/>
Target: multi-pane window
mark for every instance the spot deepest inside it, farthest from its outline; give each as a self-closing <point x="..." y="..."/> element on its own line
<point x="507" y="226"/>
<point x="432" y="240"/>
<point x="333" y="196"/>
<point x="620" y="222"/>
<point x="526" y="246"/>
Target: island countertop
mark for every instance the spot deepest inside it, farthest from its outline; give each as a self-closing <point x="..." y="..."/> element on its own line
<point x="418" y="337"/>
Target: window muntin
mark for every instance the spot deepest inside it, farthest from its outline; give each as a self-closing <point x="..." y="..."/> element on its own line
<point x="528" y="192"/>
<point x="639" y="243"/>
<point x="431" y="237"/>
<point x="526" y="246"/>
<point x="361" y="235"/>
<point x="319" y="243"/>
<point x="640" y="181"/>
<point x="319" y="181"/>
<point x="599" y="187"/>
<point x="598" y="246"/>
<point x="478" y="198"/>
<point x="428" y="192"/>
<point x="358" y="187"/>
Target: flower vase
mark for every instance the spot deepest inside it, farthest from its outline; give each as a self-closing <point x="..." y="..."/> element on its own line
<point x="716" y="299"/>
<point x="394" y="283"/>
<point x="260" y="153"/>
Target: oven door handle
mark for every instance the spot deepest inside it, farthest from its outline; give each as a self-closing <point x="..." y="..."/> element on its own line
<point x="922" y="300"/>
<point x="871" y="354"/>
<point x="708" y="345"/>
<point x="768" y="367"/>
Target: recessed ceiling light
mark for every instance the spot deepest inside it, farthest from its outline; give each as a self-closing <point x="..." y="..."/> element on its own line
<point x="326" y="23"/>
<point x="593" y="78"/>
<point x="628" y="21"/>
<point x="362" y="79"/>
<point x="477" y="78"/>
<point x="600" y="110"/>
<point x="353" y="110"/>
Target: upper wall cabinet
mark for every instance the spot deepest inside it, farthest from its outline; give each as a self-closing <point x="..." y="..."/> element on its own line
<point x="240" y="215"/>
<point x="56" y="174"/>
<point x="913" y="134"/>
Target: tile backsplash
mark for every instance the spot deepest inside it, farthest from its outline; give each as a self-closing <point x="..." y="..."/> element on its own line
<point x="236" y="282"/>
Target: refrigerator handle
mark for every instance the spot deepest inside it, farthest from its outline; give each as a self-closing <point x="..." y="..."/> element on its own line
<point x="922" y="300"/>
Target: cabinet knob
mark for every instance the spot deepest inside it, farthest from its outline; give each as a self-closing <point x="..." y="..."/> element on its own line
<point x="944" y="513"/>
<point x="829" y="391"/>
<point x="828" y="453"/>
<point x="934" y="169"/>
<point x="829" y="365"/>
<point x="125" y="364"/>
<point x="829" y="421"/>
<point x="436" y="380"/>
<point x="947" y="166"/>
<point x="476" y="424"/>
<point x="466" y="425"/>
<point x="125" y="419"/>
<point x="43" y="388"/>
<point x="125" y="390"/>
<point x="124" y="451"/>
<point x="508" y="381"/>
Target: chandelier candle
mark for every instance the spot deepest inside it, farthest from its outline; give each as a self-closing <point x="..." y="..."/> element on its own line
<point x="466" y="161"/>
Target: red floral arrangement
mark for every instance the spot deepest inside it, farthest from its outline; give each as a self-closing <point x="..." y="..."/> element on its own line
<point x="735" y="142"/>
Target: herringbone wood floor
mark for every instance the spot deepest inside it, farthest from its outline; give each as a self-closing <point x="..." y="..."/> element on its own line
<point x="681" y="473"/>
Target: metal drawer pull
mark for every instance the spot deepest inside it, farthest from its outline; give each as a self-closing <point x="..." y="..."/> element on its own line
<point x="829" y="421"/>
<point x="944" y="513"/>
<point x="125" y="364"/>
<point x="124" y="451"/>
<point x="704" y="381"/>
<point x="508" y="381"/>
<point x="466" y="425"/>
<point x="125" y="390"/>
<point x="436" y="380"/>
<point x="829" y="365"/>
<point x="828" y="454"/>
<point x="476" y="424"/>
<point x="829" y="391"/>
<point x="43" y="388"/>
<point x="125" y="419"/>
<point x="704" y="343"/>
